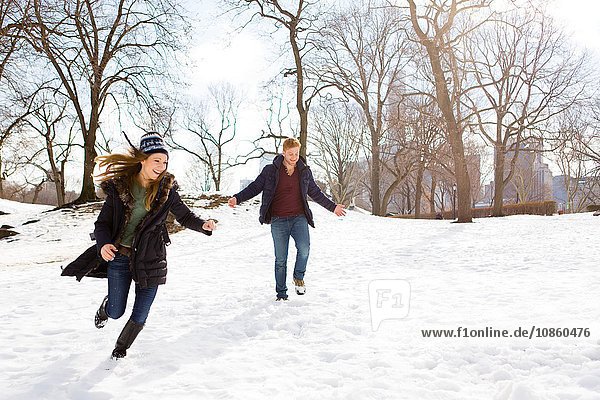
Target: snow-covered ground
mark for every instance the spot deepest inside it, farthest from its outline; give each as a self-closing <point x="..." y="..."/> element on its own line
<point x="215" y="331"/>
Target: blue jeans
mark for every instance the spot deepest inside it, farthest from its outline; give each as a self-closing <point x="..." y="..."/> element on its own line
<point x="119" y="281"/>
<point x="281" y="230"/>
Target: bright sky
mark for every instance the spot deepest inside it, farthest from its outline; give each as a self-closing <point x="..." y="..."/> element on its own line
<point x="223" y="54"/>
<point x="582" y="18"/>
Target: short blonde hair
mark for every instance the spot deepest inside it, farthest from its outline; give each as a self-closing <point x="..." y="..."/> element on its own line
<point x="290" y="143"/>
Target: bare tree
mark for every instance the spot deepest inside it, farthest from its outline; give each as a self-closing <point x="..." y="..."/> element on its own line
<point x="209" y="131"/>
<point x="13" y="15"/>
<point x="400" y="158"/>
<point x="364" y="53"/>
<point x="424" y="136"/>
<point x="581" y="137"/>
<point x="298" y="20"/>
<point x="526" y="75"/>
<point x="106" y="53"/>
<point x="339" y="130"/>
<point x="14" y="110"/>
<point x="278" y="127"/>
<point x="198" y="178"/>
<point x="50" y="120"/>
<point x="10" y="164"/>
<point x="14" y="123"/>
<point x="440" y="29"/>
<point x="15" y="156"/>
<point x="579" y="172"/>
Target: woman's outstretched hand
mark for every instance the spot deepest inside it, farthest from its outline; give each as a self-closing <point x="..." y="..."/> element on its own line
<point x="210" y="225"/>
<point x="232" y="202"/>
<point x="108" y="252"/>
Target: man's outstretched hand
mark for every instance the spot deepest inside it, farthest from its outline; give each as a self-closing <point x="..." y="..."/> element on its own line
<point x="339" y="210"/>
<point x="232" y="202"/>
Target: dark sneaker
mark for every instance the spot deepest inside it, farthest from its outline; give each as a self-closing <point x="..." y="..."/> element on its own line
<point x="101" y="317"/>
<point x="282" y="299"/>
<point x="300" y="288"/>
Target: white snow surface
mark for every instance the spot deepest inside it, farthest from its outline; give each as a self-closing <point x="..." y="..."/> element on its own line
<point x="215" y="331"/>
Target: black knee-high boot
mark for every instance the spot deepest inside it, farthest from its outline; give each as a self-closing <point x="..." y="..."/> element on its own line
<point x="126" y="338"/>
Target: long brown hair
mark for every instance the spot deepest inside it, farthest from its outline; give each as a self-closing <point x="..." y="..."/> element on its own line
<point x="127" y="166"/>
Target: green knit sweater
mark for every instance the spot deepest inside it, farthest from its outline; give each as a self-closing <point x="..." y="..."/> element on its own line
<point x="137" y="214"/>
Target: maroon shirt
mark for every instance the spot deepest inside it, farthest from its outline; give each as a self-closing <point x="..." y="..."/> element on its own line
<point x="287" y="201"/>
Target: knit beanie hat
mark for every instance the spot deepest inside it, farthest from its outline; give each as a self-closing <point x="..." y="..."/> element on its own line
<point x="152" y="142"/>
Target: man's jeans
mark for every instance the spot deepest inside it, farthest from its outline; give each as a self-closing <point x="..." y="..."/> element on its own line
<point x="281" y="230"/>
<point x="119" y="281"/>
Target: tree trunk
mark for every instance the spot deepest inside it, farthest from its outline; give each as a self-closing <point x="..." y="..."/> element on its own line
<point x="463" y="183"/>
<point x="219" y="168"/>
<point x="37" y="191"/>
<point x="499" y="159"/>
<point x="388" y="195"/>
<point x="408" y="205"/>
<point x="60" y="190"/>
<point x="62" y="194"/>
<point x="461" y="173"/>
<point x="375" y="164"/>
<point x="375" y="176"/>
<point x="57" y="177"/>
<point x="1" y="180"/>
<point x="303" y="130"/>
<point x="419" y="190"/>
<point x="442" y="202"/>
<point x="88" y="191"/>
<point x="432" y="195"/>
<point x="300" y="106"/>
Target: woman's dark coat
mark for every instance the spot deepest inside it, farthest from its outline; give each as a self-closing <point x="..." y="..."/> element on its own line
<point x="148" y="262"/>
<point x="267" y="182"/>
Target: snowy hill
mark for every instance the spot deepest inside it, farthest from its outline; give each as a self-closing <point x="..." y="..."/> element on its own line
<point x="215" y="331"/>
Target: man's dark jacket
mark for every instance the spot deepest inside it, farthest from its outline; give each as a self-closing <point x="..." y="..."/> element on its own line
<point x="148" y="262"/>
<point x="267" y="182"/>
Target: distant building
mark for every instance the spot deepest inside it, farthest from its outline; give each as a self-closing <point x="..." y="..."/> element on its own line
<point x="559" y="190"/>
<point x="488" y="194"/>
<point x="574" y="195"/>
<point x="531" y="179"/>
